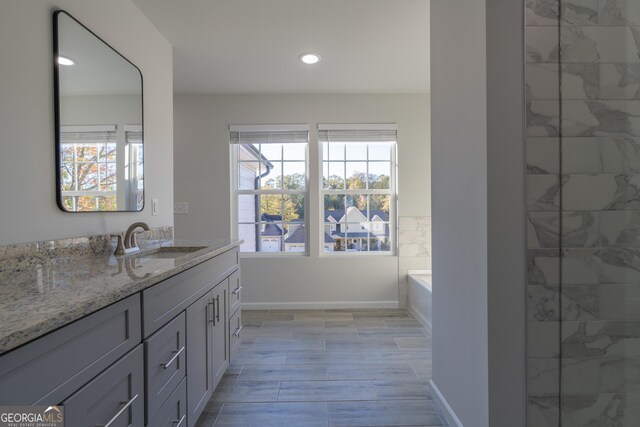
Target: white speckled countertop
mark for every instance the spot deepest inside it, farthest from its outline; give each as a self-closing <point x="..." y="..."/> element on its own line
<point x="53" y="292"/>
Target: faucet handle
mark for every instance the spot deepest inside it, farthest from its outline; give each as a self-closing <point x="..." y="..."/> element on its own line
<point x="120" y="248"/>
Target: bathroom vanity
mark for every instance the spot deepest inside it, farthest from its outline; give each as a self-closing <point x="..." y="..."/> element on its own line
<point x="134" y="340"/>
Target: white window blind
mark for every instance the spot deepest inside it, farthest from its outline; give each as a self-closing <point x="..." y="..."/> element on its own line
<point x="269" y="134"/>
<point x="365" y="133"/>
<point x="85" y="134"/>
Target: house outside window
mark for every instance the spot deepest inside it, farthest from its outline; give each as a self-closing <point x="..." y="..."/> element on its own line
<point x="269" y="179"/>
<point x="358" y="188"/>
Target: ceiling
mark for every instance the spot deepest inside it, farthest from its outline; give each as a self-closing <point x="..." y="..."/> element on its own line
<point x="252" y="46"/>
<point x="98" y="69"/>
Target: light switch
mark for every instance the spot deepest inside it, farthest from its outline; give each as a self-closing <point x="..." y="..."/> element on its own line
<point x="181" y="208"/>
<point x="154" y="207"/>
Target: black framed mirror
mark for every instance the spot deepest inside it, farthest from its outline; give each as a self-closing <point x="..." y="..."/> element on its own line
<point x="99" y="128"/>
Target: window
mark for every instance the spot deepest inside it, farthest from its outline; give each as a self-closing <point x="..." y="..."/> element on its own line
<point x="88" y="168"/>
<point x="134" y="165"/>
<point x="358" y="188"/>
<point x="269" y="166"/>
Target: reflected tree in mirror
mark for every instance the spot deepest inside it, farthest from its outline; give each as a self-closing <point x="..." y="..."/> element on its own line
<point x="99" y="122"/>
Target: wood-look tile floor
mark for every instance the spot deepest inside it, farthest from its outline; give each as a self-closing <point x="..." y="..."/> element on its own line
<point x="327" y="368"/>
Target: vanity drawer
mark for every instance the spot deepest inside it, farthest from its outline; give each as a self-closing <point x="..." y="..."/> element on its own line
<point x="173" y="413"/>
<point x="235" y="328"/>
<point x="165" y="354"/>
<point x="49" y="369"/>
<point x="164" y="301"/>
<point x="235" y="288"/>
<point x="115" y="397"/>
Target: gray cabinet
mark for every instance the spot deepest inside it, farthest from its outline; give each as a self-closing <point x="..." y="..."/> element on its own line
<point x="173" y="413"/>
<point x="165" y="300"/>
<point x="207" y="348"/>
<point x="165" y="356"/>
<point x="153" y="358"/>
<point x="235" y="328"/>
<point x="220" y="334"/>
<point x="66" y="359"/>
<point x="199" y="356"/>
<point x="114" y="398"/>
<point x="235" y="289"/>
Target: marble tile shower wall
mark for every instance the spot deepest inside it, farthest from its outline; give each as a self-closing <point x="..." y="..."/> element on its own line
<point x="414" y="250"/>
<point x="583" y="83"/>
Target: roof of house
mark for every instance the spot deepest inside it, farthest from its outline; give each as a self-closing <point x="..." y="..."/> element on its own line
<point x="272" y="229"/>
<point x="337" y="214"/>
<point x="299" y="236"/>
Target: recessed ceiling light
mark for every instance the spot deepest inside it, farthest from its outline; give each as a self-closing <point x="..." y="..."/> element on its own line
<point x="310" y="58"/>
<point x="65" y="61"/>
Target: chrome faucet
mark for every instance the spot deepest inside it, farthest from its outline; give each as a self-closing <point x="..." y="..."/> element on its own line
<point x="127" y="243"/>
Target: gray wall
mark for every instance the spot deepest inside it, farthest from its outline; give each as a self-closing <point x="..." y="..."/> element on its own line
<point x="478" y="212"/>
<point x="506" y="214"/>
<point x="27" y="163"/>
<point x="202" y="179"/>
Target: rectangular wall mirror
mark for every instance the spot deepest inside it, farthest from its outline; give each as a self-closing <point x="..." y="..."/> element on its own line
<point x="99" y="122"/>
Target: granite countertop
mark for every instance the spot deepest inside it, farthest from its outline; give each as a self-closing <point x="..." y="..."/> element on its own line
<point x="53" y="292"/>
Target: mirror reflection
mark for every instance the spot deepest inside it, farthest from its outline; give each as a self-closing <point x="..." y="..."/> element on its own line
<point x="99" y="127"/>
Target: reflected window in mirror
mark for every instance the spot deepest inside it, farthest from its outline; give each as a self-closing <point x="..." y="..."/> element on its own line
<point x="99" y="122"/>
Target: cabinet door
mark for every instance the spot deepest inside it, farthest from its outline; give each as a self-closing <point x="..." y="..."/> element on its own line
<point x="199" y="358"/>
<point x="114" y="398"/>
<point x="173" y="412"/>
<point x="235" y="326"/>
<point x="165" y="362"/>
<point x="220" y="341"/>
<point x="235" y="287"/>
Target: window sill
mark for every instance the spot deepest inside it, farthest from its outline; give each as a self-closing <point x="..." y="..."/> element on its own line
<point x="273" y="255"/>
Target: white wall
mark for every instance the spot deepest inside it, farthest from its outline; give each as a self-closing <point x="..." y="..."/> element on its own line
<point x="27" y="199"/>
<point x="201" y="154"/>
<point x="459" y="197"/>
<point x="478" y="210"/>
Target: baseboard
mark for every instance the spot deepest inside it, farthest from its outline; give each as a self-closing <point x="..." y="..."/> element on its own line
<point x="443" y="408"/>
<point x="318" y="305"/>
<point x="420" y="318"/>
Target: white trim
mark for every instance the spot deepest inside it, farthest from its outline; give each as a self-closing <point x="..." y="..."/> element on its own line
<point x="444" y="407"/>
<point x="423" y="320"/>
<point x="317" y="305"/>
<point x="133" y="128"/>
<point x="88" y="128"/>
<point x="268" y="128"/>
<point x="352" y="126"/>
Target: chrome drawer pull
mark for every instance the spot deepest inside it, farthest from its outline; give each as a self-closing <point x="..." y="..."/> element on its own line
<point x="218" y="308"/>
<point x="237" y="290"/>
<point x="173" y="359"/>
<point x="237" y="332"/>
<point x="124" y="408"/>
<point x="180" y="421"/>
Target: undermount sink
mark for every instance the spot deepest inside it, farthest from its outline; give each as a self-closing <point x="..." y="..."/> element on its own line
<point x="169" y="252"/>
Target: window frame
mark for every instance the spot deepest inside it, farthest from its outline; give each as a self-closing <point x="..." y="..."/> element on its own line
<point x="392" y="191"/>
<point x="97" y="193"/>
<point x="236" y="192"/>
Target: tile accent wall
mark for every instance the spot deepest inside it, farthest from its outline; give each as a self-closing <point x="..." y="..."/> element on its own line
<point x="414" y="250"/>
<point x="542" y="78"/>
<point x="596" y="47"/>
